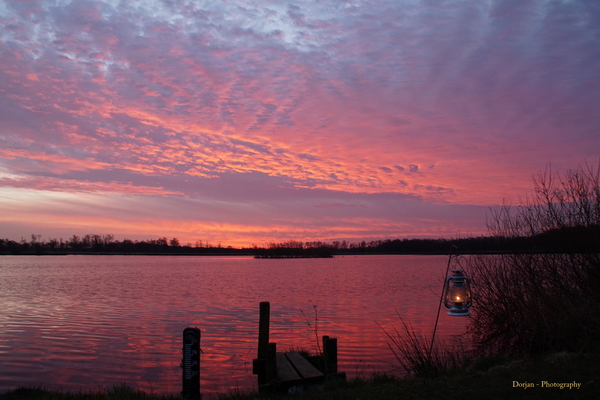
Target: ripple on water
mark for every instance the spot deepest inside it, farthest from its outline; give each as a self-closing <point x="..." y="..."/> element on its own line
<point x="86" y="322"/>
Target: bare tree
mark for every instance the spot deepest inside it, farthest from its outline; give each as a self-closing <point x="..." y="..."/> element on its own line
<point x="545" y="294"/>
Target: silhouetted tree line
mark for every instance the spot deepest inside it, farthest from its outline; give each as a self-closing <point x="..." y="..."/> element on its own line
<point x="106" y="244"/>
<point x="426" y="246"/>
<point x="583" y="239"/>
<point x="295" y="249"/>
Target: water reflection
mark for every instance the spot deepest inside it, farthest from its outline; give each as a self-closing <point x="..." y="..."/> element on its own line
<point x="85" y="322"/>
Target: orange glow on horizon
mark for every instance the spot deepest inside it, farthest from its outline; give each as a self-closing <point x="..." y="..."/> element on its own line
<point x="238" y="235"/>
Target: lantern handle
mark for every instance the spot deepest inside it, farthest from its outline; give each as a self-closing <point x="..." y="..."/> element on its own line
<point x="437" y="318"/>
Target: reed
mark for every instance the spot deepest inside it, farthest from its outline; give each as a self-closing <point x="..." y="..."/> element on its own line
<point x="418" y="356"/>
<point x="303" y="351"/>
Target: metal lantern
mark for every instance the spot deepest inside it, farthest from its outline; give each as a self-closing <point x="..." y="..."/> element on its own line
<point x="457" y="294"/>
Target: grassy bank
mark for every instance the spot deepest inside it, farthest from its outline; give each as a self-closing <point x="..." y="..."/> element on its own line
<point x="490" y="379"/>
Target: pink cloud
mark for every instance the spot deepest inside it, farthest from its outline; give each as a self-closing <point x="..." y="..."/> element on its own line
<point x="73" y="186"/>
<point x="331" y="101"/>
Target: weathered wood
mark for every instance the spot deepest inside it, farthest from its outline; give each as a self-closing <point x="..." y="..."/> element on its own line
<point x="303" y="366"/>
<point x="271" y="362"/>
<point x="263" y="329"/>
<point x="285" y="370"/>
<point x="316" y="361"/>
<point x="330" y="359"/>
<point x="191" y="364"/>
<point x="290" y="368"/>
<point x="259" y="367"/>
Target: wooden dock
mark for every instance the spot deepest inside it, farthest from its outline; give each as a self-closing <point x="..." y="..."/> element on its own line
<point x="284" y="370"/>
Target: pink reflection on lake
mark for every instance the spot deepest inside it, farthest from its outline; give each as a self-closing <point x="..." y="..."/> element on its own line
<point x="89" y="322"/>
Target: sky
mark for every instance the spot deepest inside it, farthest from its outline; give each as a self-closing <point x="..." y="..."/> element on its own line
<point x="248" y="122"/>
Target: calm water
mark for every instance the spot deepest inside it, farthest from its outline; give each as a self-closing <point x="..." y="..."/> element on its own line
<point x="89" y="322"/>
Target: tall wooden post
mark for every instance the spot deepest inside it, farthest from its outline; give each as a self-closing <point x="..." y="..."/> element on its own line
<point x="191" y="364"/>
<point x="263" y="341"/>
<point x="330" y="355"/>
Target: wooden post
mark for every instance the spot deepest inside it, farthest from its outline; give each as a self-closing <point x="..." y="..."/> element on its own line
<point x="263" y="339"/>
<point x="263" y="329"/>
<point x="191" y="364"/>
<point x="271" y="363"/>
<point x="329" y="355"/>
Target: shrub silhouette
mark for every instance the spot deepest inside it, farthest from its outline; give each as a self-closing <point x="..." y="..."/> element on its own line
<point x="545" y="294"/>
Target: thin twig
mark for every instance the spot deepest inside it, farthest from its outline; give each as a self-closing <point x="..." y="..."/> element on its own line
<point x="315" y="329"/>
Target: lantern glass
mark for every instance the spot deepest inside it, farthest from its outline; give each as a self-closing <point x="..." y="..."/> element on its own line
<point x="457" y="295"/>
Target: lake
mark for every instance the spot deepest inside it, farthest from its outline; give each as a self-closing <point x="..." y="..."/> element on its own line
<point x="90" y="322"/>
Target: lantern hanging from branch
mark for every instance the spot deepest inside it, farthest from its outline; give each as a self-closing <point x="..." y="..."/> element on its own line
<point x="457" y="294"/>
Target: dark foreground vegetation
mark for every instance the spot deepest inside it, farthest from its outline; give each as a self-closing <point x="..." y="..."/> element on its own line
<point x="495" y="378"/>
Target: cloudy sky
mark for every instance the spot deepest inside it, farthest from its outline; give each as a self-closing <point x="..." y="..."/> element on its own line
<point x="247" y="121"/>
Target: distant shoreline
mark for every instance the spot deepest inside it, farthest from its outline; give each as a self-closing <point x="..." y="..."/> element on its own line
<point x="250" y="254"/>
<point x="551" y="241"/>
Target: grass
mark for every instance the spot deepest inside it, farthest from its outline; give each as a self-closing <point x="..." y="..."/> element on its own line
<point x="415" y="354"/>
<point x="304" y="352"/>
<point x="120" y="392"/>
<point x="488" y="378"/>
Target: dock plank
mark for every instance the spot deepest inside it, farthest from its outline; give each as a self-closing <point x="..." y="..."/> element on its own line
<point x="285" y="370"/>
<point x="303" y="366"/>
